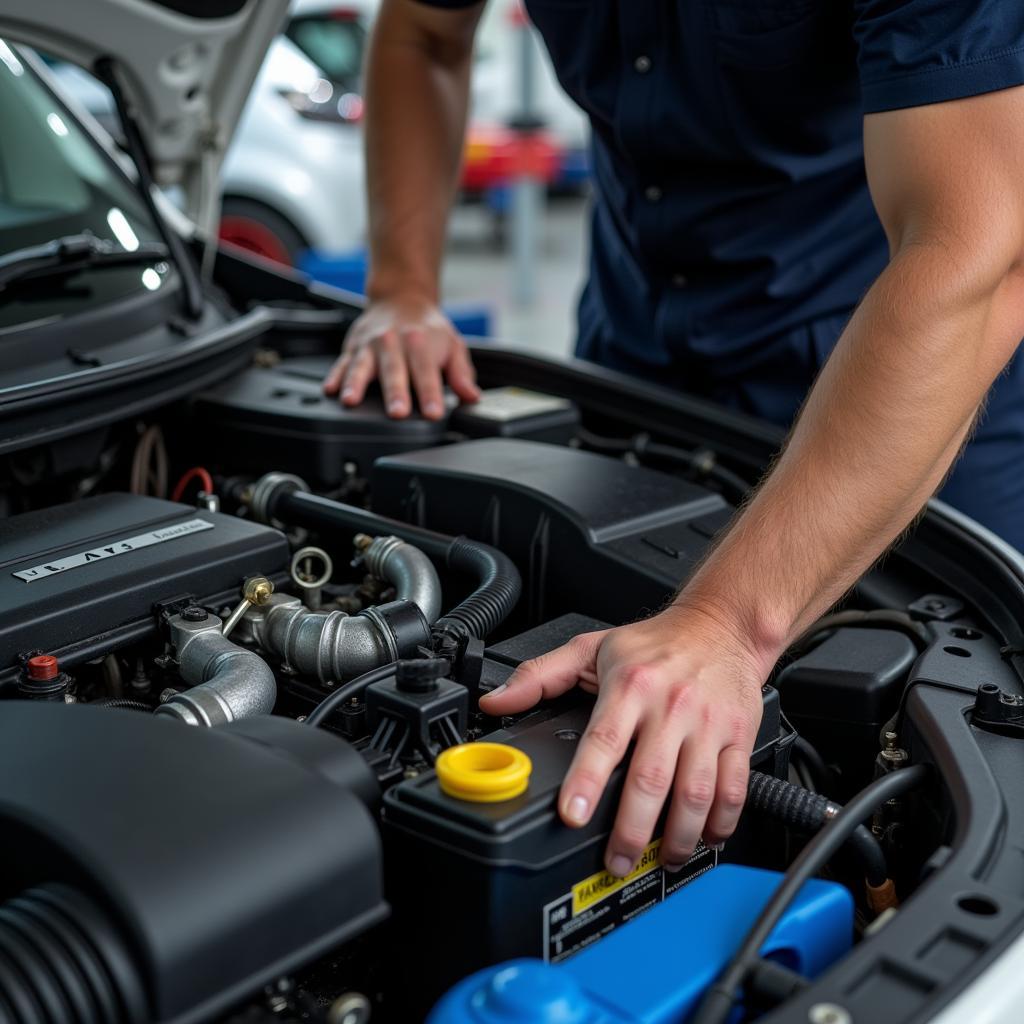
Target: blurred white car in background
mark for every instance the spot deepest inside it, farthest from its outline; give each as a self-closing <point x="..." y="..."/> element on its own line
<point x="293" y="178"/>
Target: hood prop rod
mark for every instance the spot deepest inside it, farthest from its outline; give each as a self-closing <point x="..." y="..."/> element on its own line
<point x="106" y="69"/>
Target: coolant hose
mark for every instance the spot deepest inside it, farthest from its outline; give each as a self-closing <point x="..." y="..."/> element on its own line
<point x="810" y="812"/>
<point x="281" y="498"/>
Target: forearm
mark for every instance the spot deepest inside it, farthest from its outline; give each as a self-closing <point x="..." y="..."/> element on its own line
<point x="878" y="434"/>
<point x="417" y="91"/>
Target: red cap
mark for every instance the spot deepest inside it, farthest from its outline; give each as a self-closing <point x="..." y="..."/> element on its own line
<point x="43" y="667"/>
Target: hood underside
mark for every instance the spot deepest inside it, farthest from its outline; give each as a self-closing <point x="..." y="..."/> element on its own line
<point x="185" y="65"/>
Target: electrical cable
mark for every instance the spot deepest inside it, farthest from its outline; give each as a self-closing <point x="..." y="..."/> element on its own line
<point x="196" y="472"/>
<point x="823" y="777"/>
<point x="702" y="462"/>
<point x="347" y="691"/>
<point x="720" y="997"/>
<point x="917" y="631"/>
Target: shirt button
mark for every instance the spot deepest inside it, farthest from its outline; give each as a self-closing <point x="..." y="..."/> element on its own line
<point x="679" y="281"/>
<point x="652" y="193"/>
<point x="642" y="64"/>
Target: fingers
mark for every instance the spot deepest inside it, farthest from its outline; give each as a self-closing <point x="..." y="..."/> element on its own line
<point x="360" y="370"/>
<point x="461" y="374"/>
<point x="394" y="375"/>
<point x="693" y="793"/>
<point x="547" y="676"/>
<point x="648" y="781"/>
<point x="426" y="375"/>
<point x="336" y="374"/>
<point x="730" y="793"/>
<point x="601" y="748"/>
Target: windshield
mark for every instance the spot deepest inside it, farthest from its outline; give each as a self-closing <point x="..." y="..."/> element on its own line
<point x="334" y="41"/>
<point x="54" y="181"/>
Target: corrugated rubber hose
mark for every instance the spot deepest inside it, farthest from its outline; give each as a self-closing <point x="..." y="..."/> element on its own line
<point x="809" y="812"/>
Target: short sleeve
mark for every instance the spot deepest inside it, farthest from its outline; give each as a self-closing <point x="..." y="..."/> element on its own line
<point x="914" y="52"/>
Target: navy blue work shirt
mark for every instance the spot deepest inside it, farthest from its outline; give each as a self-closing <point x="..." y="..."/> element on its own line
<point x="733" y="231"/>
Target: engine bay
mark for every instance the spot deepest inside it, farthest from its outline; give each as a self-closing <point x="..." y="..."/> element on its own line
<point x="237" y="710"/>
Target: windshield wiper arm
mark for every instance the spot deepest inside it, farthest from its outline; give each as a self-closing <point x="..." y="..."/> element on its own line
<point x="73" y="252"/>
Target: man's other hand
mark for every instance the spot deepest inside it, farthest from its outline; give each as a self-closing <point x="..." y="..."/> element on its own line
<point x="408" y="343"/>
<point x="685" y="687"/>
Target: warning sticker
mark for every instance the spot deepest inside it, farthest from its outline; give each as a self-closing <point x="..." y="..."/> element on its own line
<point x="598" y="904"/>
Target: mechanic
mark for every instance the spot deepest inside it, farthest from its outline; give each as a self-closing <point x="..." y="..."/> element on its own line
<point x="776" y="180"/>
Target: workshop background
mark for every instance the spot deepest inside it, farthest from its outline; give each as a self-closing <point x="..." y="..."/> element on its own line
<point x="293" y="181"/>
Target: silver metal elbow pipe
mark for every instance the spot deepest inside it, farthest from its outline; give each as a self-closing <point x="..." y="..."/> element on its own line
<point x="229" y="681"/>
<point x="407" y="569"/>
<point x="333" y="646"/>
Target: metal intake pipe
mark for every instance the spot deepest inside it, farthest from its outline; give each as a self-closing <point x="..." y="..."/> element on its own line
<point x="229" y="681"/>
<point x="407" y="569"/>
<point x="333" y="646"/>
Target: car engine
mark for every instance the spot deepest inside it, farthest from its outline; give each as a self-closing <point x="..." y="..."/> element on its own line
<point x="251" y="781"/>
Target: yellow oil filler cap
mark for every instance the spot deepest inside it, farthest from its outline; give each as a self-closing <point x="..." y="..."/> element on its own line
<point x="483" y="772"/>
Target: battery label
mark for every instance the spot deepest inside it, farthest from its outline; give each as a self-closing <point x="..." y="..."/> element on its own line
<point x="598" y="904"/>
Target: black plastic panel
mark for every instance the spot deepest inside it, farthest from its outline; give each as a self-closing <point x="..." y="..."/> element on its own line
<point x="592" y="534"/>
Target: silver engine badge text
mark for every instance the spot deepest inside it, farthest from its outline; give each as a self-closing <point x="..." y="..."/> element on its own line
<point x="117" y="547"/>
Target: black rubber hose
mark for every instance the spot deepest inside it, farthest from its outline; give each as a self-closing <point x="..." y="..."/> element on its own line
<point x="62" y="960"/>
<point x="496" y="594"/>
<point x="821" y="775"/>
<point x="718" y="1001"/>
<point x="809" y="812"/>
<point x="122" y="702"/>
<point x="499" y="583"/>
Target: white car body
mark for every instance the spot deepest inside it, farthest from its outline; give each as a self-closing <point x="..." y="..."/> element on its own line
<point x="309" y="172"/>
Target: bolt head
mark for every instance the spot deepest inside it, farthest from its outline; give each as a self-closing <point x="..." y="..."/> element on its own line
<point x="193" y="613"/>
<point x="351" y="1008"/>
<point x="258" y="590"/>
<point x="828" y="1013"/>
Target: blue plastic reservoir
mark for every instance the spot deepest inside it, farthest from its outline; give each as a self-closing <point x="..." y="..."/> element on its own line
<point x="655" y="969"/>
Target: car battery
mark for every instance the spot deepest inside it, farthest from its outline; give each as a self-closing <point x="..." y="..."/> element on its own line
<point x="479" y="880"/>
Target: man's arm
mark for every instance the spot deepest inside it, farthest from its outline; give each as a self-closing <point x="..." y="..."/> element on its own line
<point x="878" y="433"/>
<point x="417" y="93"/>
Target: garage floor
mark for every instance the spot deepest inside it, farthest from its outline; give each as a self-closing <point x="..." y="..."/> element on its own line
<point x="478" y="270"/>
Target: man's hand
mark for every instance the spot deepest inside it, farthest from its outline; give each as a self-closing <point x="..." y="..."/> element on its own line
<point x="687" y="688"/>
<point x="403" y="341"/>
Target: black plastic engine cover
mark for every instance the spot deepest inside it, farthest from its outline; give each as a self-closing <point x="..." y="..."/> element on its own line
<point x="227" y="857"/>
<point x="591" y="534"/>
<point x="279" y="417"/>
<point x="76" y="571"/>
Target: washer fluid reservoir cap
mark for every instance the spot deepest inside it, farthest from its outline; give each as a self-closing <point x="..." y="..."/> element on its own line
<point x="483" y="772"/>
<point x="529" y="990"/>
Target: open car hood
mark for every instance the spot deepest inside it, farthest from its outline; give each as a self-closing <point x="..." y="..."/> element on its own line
<point x="186" y="66"/>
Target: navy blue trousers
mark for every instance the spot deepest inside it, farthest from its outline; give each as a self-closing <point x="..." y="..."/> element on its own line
<point x="987" y="483"/>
